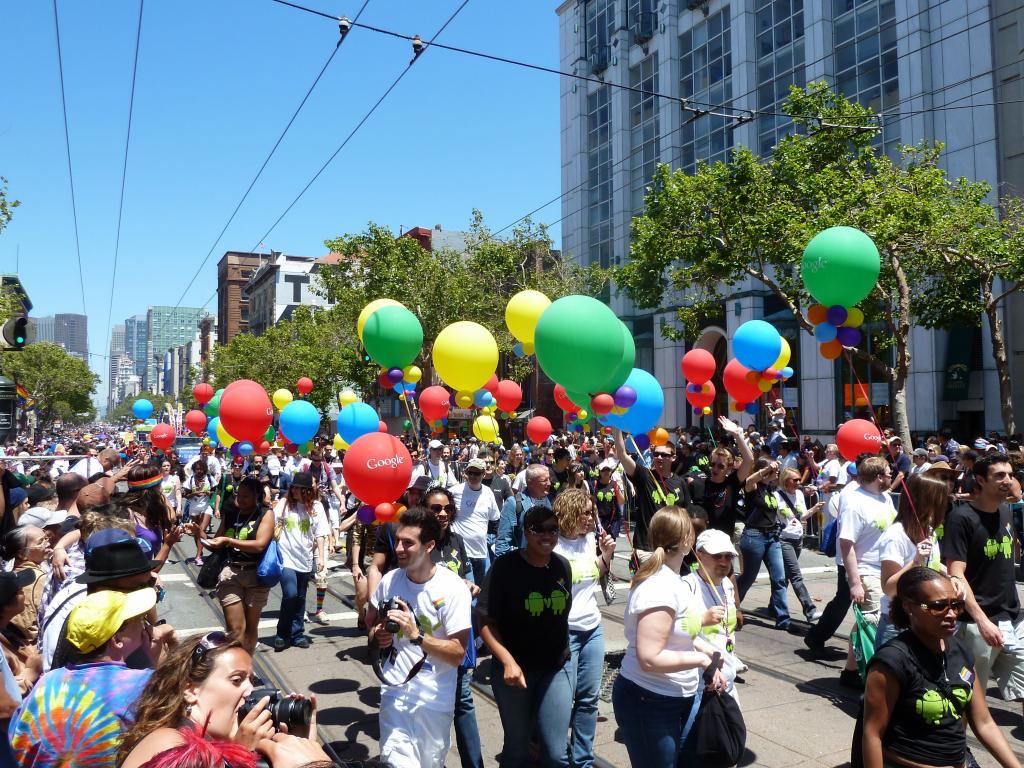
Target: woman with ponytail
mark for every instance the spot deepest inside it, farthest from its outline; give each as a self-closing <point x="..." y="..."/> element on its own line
<point x="661" y="669"/>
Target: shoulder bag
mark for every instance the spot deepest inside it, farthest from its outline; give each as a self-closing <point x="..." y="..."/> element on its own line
<point x="269" y="570"/>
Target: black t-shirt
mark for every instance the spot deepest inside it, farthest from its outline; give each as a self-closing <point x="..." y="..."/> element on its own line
<point x="984" y="541"/>
<point x="384" y="544"/>
<point x="242" y="529"/>
<point x="607" y="506"/>
<point x="762" y="508"/>
<point x="449" y="552"/>
<point x="530" y="607"/>
<point x="926" y="725"/>
<point x="499" y="487"/>
<point x="720" y="500"/>
<point x="559" y="481"/>
<point x="653" y="493"/>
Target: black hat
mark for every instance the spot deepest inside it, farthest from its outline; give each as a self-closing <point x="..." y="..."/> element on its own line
<point x="114" y="554"/>
<point x="12" y="583"/>
<point x="38" y="493"/>
<point x="302" y="480"/>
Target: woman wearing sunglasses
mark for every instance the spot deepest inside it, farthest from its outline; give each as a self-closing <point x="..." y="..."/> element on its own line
<point x="922" y="687"/>
<point x="196" y="693"/>
<point x="524" y="610"/>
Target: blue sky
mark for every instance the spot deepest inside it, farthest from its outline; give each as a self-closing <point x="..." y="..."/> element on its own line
<point x="217" y="81"/>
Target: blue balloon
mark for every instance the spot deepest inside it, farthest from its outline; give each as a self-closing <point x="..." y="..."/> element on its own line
<point x="643" y="442"/>
<point x="481" y="398"/>
<point x="517" y="349"/>
<point x="300" y="421"/>
<point x="752" y="409"/>
<point x="645" y="413"/>
<point x="825" y="332"/>
<point x="245" y="448"/>
<point x="142" y="408"/>
<point x="756" y="344"/>
<point x="398" y="388"/>
<point x="787" y="372"/>
<point x="211" y="430"/>
<point x="354" y="421"/>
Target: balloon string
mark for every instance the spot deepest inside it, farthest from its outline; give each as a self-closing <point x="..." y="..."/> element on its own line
<point x="415" y="424"/>
<point x="888" y="446"/>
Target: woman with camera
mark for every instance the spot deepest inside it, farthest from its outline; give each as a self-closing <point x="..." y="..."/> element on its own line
<point x="203" y="691"/>
<point x="245" y="530"/>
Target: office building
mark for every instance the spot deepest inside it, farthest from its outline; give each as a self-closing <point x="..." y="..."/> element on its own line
<point x="906" y="60"/>
<point x="136" y="335"/>
<point x="115" y="359"/>
<point x="233" y="272"/>
<point x="41" y="329"/>
<point x="166" y="327"/>
<point x="71" y="331"/>
<point x="278" y="287"/>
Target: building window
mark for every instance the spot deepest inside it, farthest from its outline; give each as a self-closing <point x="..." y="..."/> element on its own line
<point x="780" y="64"/>
<point x="642" y="20"/>
<point x="705" y="77"/>
<point x="865" y="61"/>
<point x="600" y="28"/>
<point x="645" y="145"/>
<point x="599" y="181"/>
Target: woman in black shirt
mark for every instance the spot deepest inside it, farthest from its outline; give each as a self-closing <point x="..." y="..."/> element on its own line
<point x="524" y="613"/>
<point x="922" y="684"/>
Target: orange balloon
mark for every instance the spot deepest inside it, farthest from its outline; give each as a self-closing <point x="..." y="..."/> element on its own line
<point x="831" y="350"/>
<point x="818" y="313"/>
<point x="658" y="436"/>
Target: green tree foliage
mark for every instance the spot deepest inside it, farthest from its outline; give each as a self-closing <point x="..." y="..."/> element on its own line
<point x="123" y="412"/>
<point x="7" y="206"/>
<point x="61" y="384"/>
<point x="703" y="234"/>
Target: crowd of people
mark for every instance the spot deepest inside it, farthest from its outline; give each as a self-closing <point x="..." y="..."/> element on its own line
<point x="507" y="553"/>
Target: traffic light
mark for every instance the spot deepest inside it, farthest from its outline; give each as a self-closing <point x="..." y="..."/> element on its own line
<point x="15" y="334"/>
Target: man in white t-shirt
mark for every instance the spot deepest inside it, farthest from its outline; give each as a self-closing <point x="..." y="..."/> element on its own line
<point x="477" y="508"/>
<point x="712" y="585"/>
<point x="832" y="474"/>
<point x="418" y="662"/>
<point x="435" y="467"/>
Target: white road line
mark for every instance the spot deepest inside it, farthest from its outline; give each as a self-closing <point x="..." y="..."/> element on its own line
<point x="169" y="577"/>
<point x="265" y="624"/>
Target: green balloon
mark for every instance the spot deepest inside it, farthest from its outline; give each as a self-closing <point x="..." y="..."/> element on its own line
<point x="212" y="408"/>
<point x="304" y="448"/>
<point x="840" y="266"/>
<point x="621" y="373"/>
<point x="406" y="424"/>
<point x="393" y="336"/>
<point x="579" y="342"/>
<point x="271" y="434"/>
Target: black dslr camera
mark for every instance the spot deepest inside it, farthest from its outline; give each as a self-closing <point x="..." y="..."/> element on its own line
<point x="391" y="604"/>
<point x="291" y="711"/>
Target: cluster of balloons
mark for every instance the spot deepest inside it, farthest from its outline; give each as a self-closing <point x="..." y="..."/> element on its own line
<point x="392" y="336"/>
<point x="840" y="267"/>
<point x="698" y="367"/>
<point x="764" y="355"/>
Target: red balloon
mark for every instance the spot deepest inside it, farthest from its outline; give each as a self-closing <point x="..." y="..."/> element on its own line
<point x="698" y="366"/>
<point x="377" y="468"/>
<point x="304" y="385"/>
<point x="509" y="395"/>
<point x="385" y="512"/>
<point x="291" y="448"/>
<point x="538" y="429"/>
<point x="264" y="447"/>
<point x="701" y="399"/>
<point x="203" y="393"/>
<point x="162" y="436"/>
<point x="382" y="427"/>
<point x="434" y="403"/>
<point x="492" y="384"/>
<point x="858" y="436"/>
<point x="246" y="411"/>
<point x="563" y="401"/>
<point x="734" y="377"/>
<point x="602" y="404"/>
<point x="195" y="420"/>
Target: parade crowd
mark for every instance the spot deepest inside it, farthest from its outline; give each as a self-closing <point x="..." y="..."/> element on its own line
<point x="501" y="557"/>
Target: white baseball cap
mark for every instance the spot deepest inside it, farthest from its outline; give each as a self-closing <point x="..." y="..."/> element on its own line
<point x="715" y="542"/>
<point x="435" y="444"/>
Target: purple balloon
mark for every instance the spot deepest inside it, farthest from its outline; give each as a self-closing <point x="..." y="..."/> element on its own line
<point x="365" y="515"/>
<point x="837" y="315"/>
<point x="643" y="442"/>
<point x="236" y="449"/>
<point x="848" y="337"/>
<point x="624" y="396"/>
<point x="395" y="375"/>
<point x="698" y="411"/>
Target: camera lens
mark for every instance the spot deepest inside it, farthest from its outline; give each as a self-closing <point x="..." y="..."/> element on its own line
<point x="292" y="712"/>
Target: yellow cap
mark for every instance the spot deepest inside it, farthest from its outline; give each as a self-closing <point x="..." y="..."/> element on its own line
<point x="98" y="617"/>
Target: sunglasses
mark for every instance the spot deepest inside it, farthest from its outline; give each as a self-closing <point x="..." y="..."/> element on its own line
<point x="662" y="455"/>
<point x="207" y="643"/>
<point x="942" y="607"/>
<point x="542" y="530"/>
<point x="449" y="508"/>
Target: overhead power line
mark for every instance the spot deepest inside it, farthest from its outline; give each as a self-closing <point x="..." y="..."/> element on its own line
<point x="67" y="147"/>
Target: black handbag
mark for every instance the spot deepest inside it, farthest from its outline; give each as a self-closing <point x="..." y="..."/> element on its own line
<point x="209" y="572"/>
<point x="719" y="733"/>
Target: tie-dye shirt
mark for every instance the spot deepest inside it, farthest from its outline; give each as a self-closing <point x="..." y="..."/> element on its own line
<point x="74" y="716"/>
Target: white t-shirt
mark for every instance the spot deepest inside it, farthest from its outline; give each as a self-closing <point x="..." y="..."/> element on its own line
<point x="832" y="470"/>
<point x="863" y="518"/>
<point x="665" y="589"/>
<point x="87" y="467"/>
<point x="794" y="529"/>
<point x="896" y="547"/>
<point x="214" y="468"/>
<point x="476" y="509"/>
<point x="722" y="638"/>
<point x="299" y="534"/>
<point x="168" y="486"/>
<point x="519" y="484"/>
<point x="59" y="467"/>
<point x="439" y="474"/>
<point x="273" y="466"/>
<point x="200" y="503"/>
<point x="58" y="609"/>
<point x="584" y="614"/>
<point x="442" y="607"/>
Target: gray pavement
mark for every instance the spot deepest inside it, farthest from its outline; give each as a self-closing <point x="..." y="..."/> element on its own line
<point x="796" y="712"/>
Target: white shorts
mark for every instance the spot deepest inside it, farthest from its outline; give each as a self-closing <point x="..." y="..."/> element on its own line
<point x="413" y="737"/>
<point x="1006" y="666"/>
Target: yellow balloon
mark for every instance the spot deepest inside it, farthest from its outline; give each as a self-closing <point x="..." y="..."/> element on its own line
<point x="225" y="439"/>
<point x="765" y="386"/>
<point x="528" y="348"/>
<point x="281" y="398"/>
<point x="486" y="429"/>
<point x="347" y="397"/>
<point x="618" y="411"/>
<point x="522" y="313"/>
<point x="783" y="359"/>
<point x="465" y="355"/>
<point x="582" y="415"/>
<point x="339" y="444"/>
<point x="854" y="318"/>
<point x="369" y="309"/>
<point x="412" y="373"/>
<point x="707" y="410"/>
<point x="464" y="399"/>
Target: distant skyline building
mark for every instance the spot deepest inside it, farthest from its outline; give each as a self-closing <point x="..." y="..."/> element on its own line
<point x="115" y="360"/>
<point x="166" y="327"/>
<point x="135" y="337"/>
<point x="233" y="271"/>
<point x="41" y="329"/>
<point x="71" y="331"/>
<point x="279" y="286"/>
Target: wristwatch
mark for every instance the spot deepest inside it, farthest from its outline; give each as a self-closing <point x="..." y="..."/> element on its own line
<point x="418" y="640"/>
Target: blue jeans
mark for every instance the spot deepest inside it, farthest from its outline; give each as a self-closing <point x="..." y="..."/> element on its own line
<point x="651" y="724"/>
<point x="467" y="736"/>
<point x="757" y="547"/>
<point x="885" y="631"/>
<point x="544" y="708"/>
<point x="585" y="668"/>
<point x="480" y="566"/>
<point x="293" y="603"/>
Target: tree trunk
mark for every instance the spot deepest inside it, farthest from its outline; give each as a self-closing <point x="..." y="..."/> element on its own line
<point x="995" y="325"/>
<point x="901" y="367"/>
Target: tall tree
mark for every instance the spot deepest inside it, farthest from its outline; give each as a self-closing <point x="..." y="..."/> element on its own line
<point x="7" y="205"/>
<point x="61" y="384"/>
<point x="751" y="218"/>
<point x="123" y="411"/>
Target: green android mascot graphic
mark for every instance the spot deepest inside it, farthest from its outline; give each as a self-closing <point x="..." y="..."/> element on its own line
<point x="991" y="549"/>
<point x="557" y="602"/>
<point x="933" y="707"/>
<point x="535" y="603"/>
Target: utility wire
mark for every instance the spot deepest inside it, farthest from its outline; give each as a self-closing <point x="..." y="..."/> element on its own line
<point x="295" y="114"/>
<point x="67" y="147"/>
<point x="124" y="166"/>
<point x="390" y="88"/>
